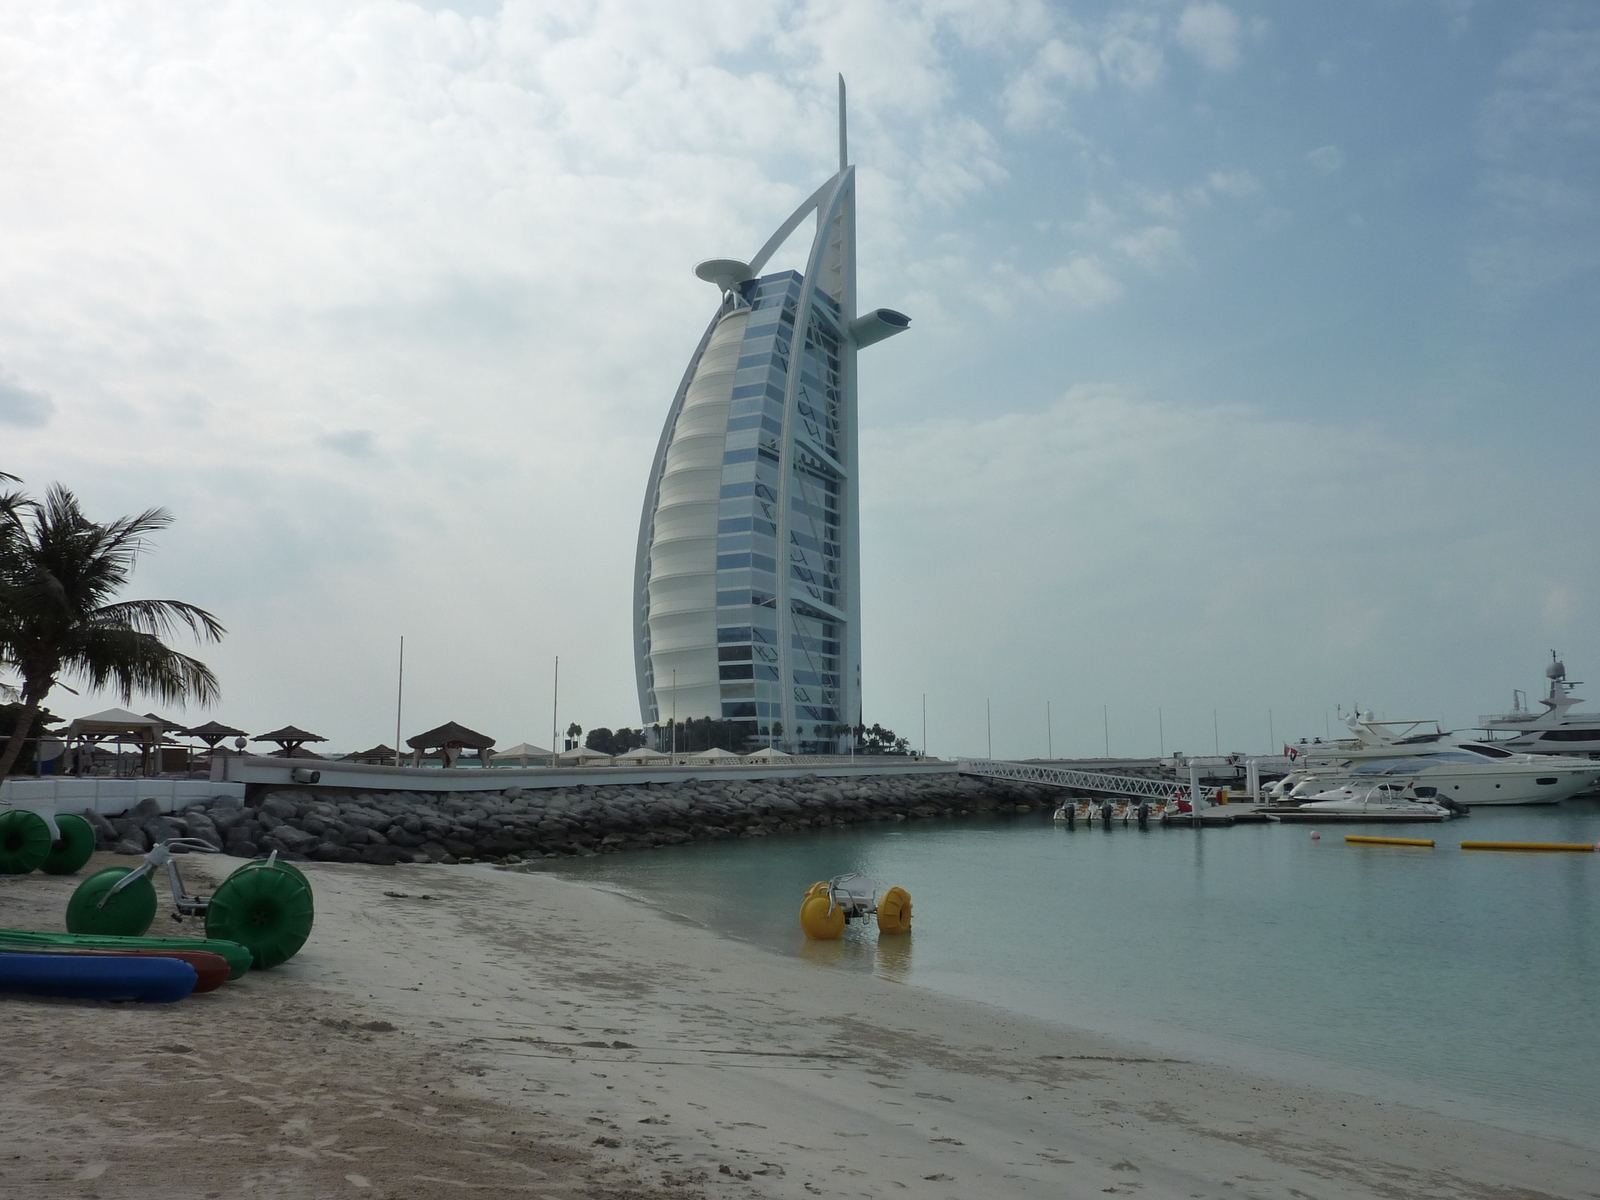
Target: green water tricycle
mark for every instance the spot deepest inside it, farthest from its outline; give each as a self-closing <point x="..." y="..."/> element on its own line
<point x="265" y="906"/>
<point x="57" y="844"/>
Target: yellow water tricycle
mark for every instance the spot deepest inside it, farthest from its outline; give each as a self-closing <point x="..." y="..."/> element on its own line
<point x="831" y="904"/>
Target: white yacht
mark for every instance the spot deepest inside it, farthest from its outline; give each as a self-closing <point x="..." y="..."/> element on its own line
<point x="1371" y="738"/>
<point x="1463" y="772"/>
<point x="1556" y="730"/>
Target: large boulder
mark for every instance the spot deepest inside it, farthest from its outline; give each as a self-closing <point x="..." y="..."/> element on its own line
<point x="159" y="829"/>
<point x="105" y="834"/>
<point x="280" y="805"/>
<point x="201" y="826"/>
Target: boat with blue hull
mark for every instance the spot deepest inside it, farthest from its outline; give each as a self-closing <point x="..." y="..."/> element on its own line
<point x="85" y="977"/>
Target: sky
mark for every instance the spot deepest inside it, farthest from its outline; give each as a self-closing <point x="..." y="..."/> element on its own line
<point x="1251" y="372"/>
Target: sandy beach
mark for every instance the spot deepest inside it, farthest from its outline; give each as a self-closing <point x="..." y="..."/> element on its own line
<point x="452" y="1031"/>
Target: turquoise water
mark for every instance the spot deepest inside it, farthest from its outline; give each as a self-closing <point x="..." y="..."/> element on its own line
<point x="1466" y="982"/>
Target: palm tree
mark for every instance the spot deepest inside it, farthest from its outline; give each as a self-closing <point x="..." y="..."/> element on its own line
<point x="59" y="574"/>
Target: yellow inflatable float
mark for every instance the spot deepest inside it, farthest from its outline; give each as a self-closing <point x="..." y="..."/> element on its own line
<point x="831" y="904"/>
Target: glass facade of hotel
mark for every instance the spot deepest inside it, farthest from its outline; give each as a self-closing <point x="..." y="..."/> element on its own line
<point x="747" y="582"/>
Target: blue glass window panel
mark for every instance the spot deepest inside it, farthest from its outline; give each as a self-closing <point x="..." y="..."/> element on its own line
<point x="760" y="562"/>
<point x="763" y="599"/>
<point x="731" y="490"/>
<point x="732" y="542"/>
<point x="738" y="472"/>
<point x="766" y="527"/>
<point x="731" y="598"/>
<point x="754" y="360"/>
<point x="734" y="525"/>
<point x="733" y="653"/>
<point x="748" y="390"/>
<point x="766" y="636"/>
<point x="805" y="643"/>
<point x="742" y="708"/>
<point x="750" y="375"/>
<point x="752" y="421"/>
<point x="734" y="633"/>
<point x="735" y="671"/>
<point x="740" y="456"/>
<point x="764" y="672"/>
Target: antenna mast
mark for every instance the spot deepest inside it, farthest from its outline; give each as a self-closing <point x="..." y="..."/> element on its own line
<point x="844" y="153"/>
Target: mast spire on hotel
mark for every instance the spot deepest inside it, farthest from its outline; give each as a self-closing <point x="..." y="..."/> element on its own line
<point x="747" y="581"/>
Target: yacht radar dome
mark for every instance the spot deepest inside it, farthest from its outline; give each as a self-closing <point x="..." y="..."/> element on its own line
<point x="726" y="273"/>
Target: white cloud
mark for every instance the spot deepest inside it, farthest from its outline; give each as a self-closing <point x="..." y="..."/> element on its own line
<point x="1240" y="184"/>
<point x="23" y="407"/>
<point x="1210" y="31"/>
<point x="1032" y="96"/>
<point x="1325" y="160"/>
<point x="1082" y="281"/>
<point x="1538" y="134"/>
<point x="1152" y="247"/>
<point x="1130" y="49"/>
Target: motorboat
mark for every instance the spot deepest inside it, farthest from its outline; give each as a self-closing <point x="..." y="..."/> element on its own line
<point x="1466" y="773"/>
<point x="1387" y="801"/>
<point x="1370" y="738"/>
<point x="1555" y="730"/>
<point x="1463" y="770"/>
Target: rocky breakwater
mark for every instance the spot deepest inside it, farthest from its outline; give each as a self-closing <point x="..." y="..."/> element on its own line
<point x="517" y="825"/>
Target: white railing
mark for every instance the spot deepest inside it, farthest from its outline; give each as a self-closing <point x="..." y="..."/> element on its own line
<point x="1084" y="781"/>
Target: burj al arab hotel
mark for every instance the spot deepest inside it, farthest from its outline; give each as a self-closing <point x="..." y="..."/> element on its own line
<point x="747" y="585"/>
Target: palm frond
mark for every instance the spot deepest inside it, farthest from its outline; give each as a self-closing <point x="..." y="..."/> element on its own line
<point x="130" y="661"/>
<point x="159" y="617"/>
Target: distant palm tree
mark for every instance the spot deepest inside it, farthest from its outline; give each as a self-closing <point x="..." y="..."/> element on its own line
<point x="59" y="574"/>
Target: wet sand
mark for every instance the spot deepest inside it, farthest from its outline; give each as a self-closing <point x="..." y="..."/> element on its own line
<point x="456" y="1031"/>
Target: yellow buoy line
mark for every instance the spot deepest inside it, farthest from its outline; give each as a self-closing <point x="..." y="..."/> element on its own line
<point x="1573" y="847"/>
<point x="831" y="904"/>
<point x="1383" y="841"/>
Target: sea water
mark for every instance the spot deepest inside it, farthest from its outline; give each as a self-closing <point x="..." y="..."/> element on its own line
<point x="1467" y="982"/>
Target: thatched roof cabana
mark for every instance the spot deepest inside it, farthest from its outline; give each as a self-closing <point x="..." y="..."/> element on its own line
<point x="450" y="739"/>
<point x="377" y="756"/>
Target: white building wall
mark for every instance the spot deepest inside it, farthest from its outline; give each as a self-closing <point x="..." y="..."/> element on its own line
<point x="683" y="549"/>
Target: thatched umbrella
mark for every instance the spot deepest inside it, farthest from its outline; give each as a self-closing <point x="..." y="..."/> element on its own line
<point x="213" y="732"/>
<point x="450" y="739"/>
<point x="290" y="740"/>
<point x="379" y="755"/>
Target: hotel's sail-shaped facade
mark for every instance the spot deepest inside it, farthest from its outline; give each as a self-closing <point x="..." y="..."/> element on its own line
<point x="747" y="593"/>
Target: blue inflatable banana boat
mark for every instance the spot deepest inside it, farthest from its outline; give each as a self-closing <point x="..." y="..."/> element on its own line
<point x="81" y="977"/>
